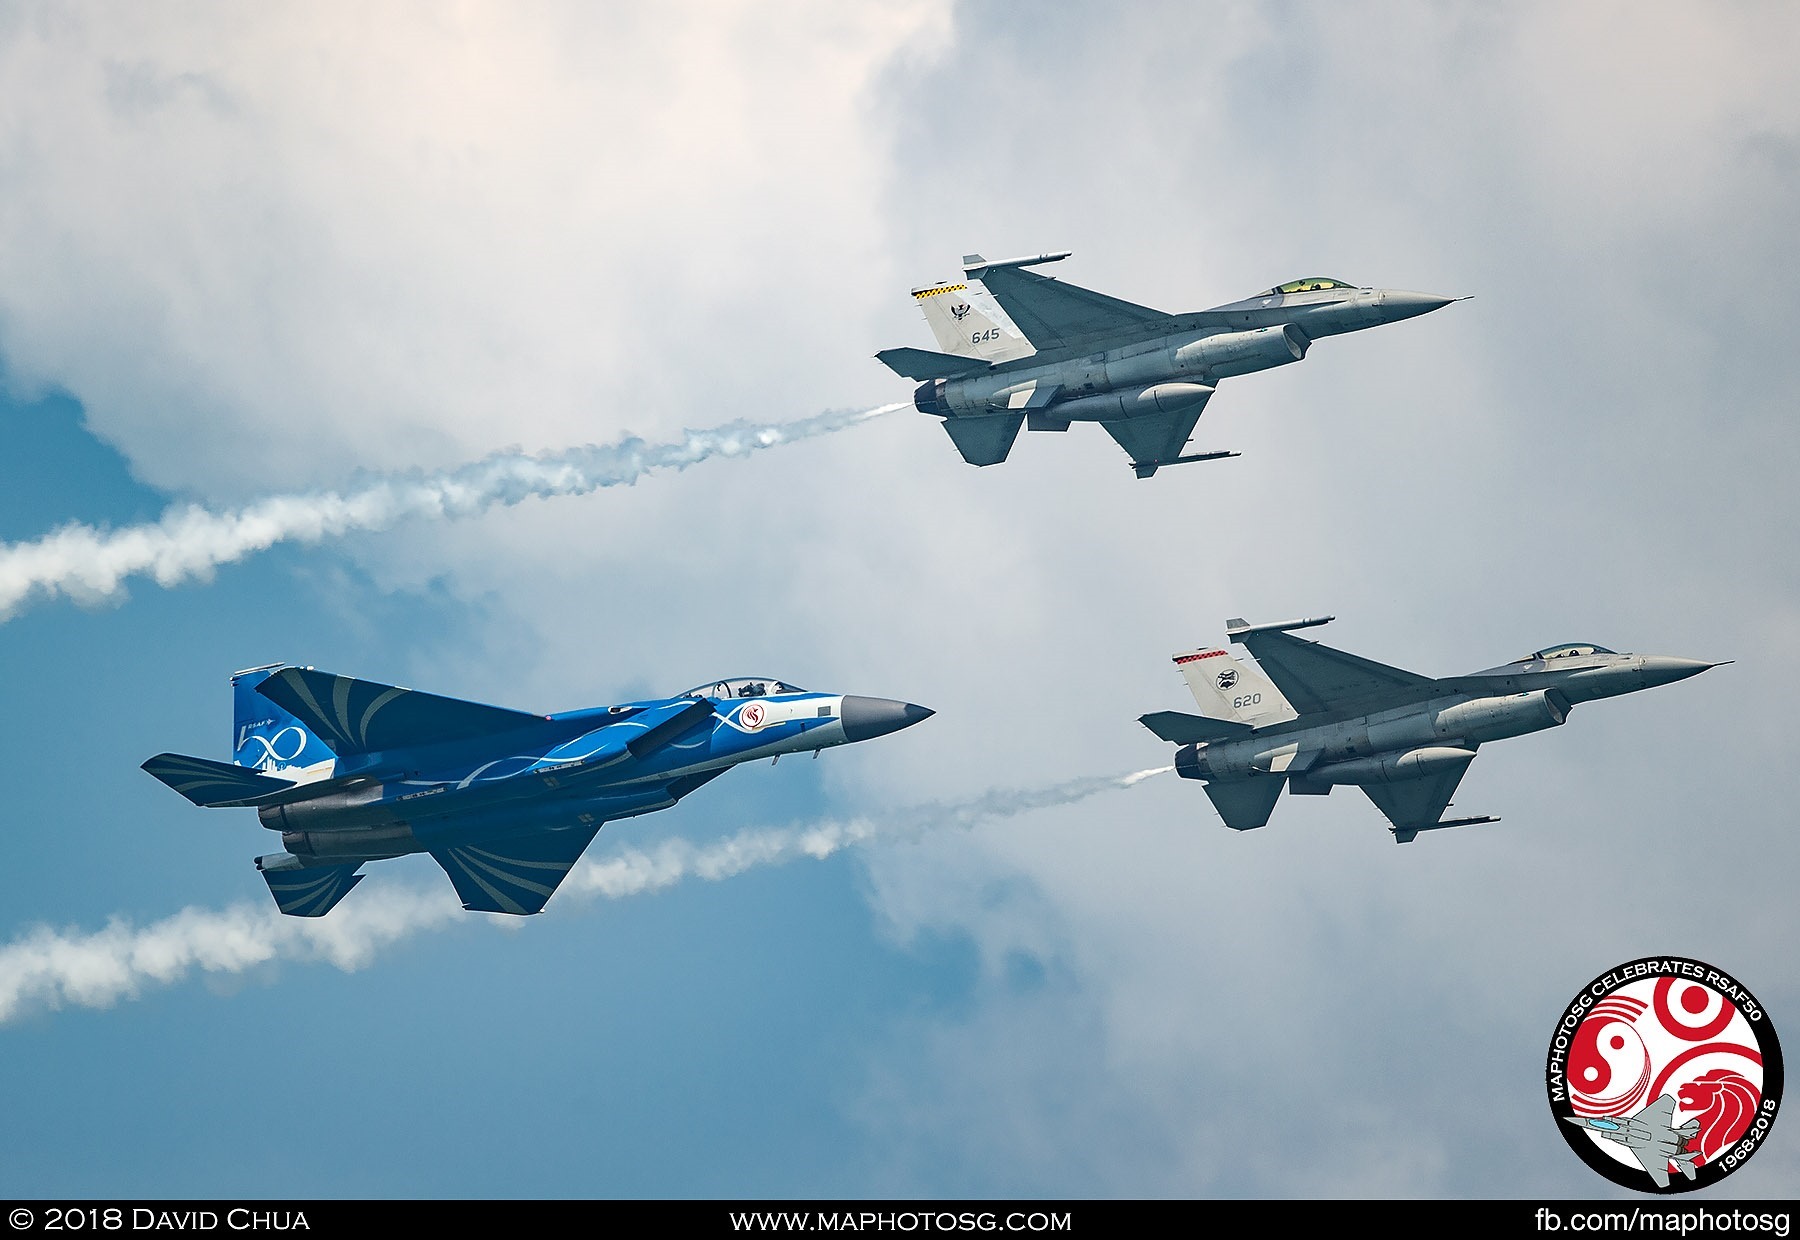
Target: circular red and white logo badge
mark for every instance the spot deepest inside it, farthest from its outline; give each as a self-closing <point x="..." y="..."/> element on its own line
<point x="751" y="716"/>
<point x="1664" y="1074"/>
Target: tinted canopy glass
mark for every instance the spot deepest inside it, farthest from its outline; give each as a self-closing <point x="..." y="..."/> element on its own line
<point x="1311" y="284"/>
<point x="744" y="687"/>
<point x="1568" y="650"/>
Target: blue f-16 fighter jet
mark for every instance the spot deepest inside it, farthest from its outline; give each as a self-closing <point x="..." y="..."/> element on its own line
<point x="352" y="771"/>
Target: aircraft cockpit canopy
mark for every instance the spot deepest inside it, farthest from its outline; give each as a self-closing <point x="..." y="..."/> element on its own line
<point x="1568" y="650"/>
<point x="1311" y="284"/>
<point x="748" y="687"/>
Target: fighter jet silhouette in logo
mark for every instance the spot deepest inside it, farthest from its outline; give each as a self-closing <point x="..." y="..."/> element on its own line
<point x="1649" y="1137"/>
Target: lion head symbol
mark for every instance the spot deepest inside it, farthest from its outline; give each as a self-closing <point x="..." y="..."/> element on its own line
<point x="1727" y="1102"/>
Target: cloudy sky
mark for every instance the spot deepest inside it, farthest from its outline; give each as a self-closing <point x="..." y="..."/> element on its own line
<point x="255" y="252"/>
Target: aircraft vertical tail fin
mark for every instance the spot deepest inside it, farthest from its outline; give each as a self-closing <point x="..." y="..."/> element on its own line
<point x="266" y="738"/>
<point x="968" y="322"/>
<point x="1233" y="691"/>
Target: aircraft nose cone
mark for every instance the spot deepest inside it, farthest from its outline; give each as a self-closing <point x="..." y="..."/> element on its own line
<point x="1397" y="304"/>
<point x="1665" y="670"/>
<point x="865" y="718"/>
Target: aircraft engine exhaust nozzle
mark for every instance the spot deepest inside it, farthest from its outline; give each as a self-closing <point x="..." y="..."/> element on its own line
<point x="928" y="397"/>
<point x="865" y="718"/>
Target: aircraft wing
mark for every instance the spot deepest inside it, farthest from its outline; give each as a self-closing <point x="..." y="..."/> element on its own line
<point x="1318" y="680"/>
<point x="363" y="716"/>
<point x="1155" y="439"/>
<point x="1653" y="1162"/>
<point x="1415" y="805"/>
<point x="1653" y="1155"/>
<point x="1659" y="1114"/>
<point x="1052" y="313"/>
<point x="518" y="873"/>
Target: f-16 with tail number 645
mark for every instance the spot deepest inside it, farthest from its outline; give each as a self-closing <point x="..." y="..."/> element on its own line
<point x="1022" y="349"/>
<point x="352" y="771"/>
<point x="1308" y="718"/>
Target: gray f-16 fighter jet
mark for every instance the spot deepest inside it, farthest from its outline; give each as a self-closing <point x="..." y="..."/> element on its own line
<point x="1021" y="349"/>
<point x="352" y="771"/>
<point x="1308" y="718"/>
<point x="1650" y="1137"/>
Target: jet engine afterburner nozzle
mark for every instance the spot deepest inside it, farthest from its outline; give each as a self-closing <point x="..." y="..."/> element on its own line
<point x="928" y="397"/>
<point x="865" y="718"/>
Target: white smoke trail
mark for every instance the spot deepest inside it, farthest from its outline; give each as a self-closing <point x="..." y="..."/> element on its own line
<point x="49" y="969"/>
<point x="90" y="564"/>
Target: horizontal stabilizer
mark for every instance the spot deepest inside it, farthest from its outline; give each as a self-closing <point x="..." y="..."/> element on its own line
<point x="311" y="892"/>
<point x="1246" y="804"/>
<point x="517" y="874"/>
<point x="209" y="783"/>
<point x="925" y="364"/>
<point x="363" y="716"/>
<point x="987" y="440"/>
<point x="1185" y="729"/>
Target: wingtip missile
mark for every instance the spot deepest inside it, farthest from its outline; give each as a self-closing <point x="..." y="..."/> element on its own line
<point x="1237" y="630"/>
<point x="1406" y="835"/>
<point x="973" y="264"/>
<point x="1145" y="469"/>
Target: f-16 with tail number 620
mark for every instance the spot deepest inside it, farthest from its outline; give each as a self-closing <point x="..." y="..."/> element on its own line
<point x="352" y="771"/>
<point x="1308" y="718"/>
<point x="1022" y="349"/>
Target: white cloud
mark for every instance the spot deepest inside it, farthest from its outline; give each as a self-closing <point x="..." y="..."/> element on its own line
<point x="263" y="249"/>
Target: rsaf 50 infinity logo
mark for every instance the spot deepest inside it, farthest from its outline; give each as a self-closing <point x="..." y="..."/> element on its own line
<point x="1664" y="1075"/>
